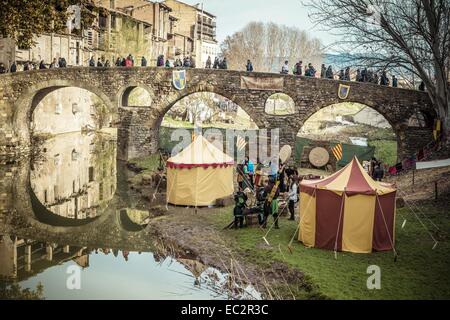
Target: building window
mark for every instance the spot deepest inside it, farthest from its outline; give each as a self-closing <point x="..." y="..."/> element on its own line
<point x="91" y="174"/>
<point x="58" y="109"/>
<point x="112" y="4"/>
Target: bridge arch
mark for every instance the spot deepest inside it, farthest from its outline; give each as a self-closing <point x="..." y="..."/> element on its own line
<point x="360" y="114"/>
<point x="125" y="93"/>
<point x="30" y="99"/>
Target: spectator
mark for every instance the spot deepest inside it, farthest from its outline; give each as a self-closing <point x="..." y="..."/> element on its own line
<point x="323" y="72"/>
<point x="384" y="79"/>
<point x="216" y="64"/>
<point x="42" y="65"/>
<point x="311" y="71"/>
<point x="249" y="66"/>
<point x="208" y="63"/>
<point x="178" y="63"/>
<point x="92" y="62"/>
<point x="107" y="64"/>
<point x="285" y="68"/>
<point x="128" y="62"/>
<point x="26" y="66"/>
<point x="99" y="63"/>
<point x="347" y="74"/>
<point x="63" y="63"/>
<point x="13" y="67"/>
<point x="2" y="68"/>
<point x="358" y="75"/>
<point x="329" y="73"/>
<point x="298" y="68"/>
<point x="54" y="64"/>
<point x="143" y="62"/>
<point x="119" y="62"/>
<point x="341" y="75"/>
<point x="160" y="61"/>
<point x="168" y="65"/>
<point x="394" y="82"/>
<point x="224" y="64"/>
<point x="376" y="78"/>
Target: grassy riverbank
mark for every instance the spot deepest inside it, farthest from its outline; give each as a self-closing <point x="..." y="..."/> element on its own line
<point x="419" y="273"/>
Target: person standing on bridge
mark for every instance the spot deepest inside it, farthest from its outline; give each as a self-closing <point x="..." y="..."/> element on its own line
<point x="216" y="63"/>
<point x="298" y="68"/>
<point x="323" y="72"/>
<point x="2" y="68"/>
<point x="224" y="64"/>
<point x="394" y="82"/>
<point x="358" y="75"/>
<point x="42" y="65"/>
<point x="208" y="63"/>
<point x="384" y="79"/>
<point x="143" y="62"/>
<point x="249" y="66"/>
<point x="329" y="73"/>
<point x="341" y="75"/>
<point x="285" y="68"/>
<point x="13" y="67"/>
<point x="347" y="74"/>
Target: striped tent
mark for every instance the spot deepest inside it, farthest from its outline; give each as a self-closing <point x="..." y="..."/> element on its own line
<point x="348" y="211"/>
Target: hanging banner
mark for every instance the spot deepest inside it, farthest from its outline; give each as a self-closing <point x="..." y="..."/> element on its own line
<point x="262" y="83"/>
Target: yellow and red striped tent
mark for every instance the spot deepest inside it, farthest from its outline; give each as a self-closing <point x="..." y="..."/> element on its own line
<point x="348" y="211"/>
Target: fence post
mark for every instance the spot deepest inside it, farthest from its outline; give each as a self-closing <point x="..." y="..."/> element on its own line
<point x="436" y="190"/>
<point x="414" y="177"/>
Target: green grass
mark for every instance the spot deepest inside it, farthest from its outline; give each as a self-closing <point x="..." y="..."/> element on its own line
<point x="385" y="150"/>
<point x="149" y="164"/>
<point x="419" y="273"/>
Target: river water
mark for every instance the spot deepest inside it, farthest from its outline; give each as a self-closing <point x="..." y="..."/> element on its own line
<point x="71" y="228"/>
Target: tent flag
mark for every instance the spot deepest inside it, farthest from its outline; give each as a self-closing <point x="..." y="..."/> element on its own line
<point x="338" y="152"/>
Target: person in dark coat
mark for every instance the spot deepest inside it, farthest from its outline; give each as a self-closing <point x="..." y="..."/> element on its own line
<point x="358" y="75"/>
<point x="249" y="66"/>
<point x="240" y="200"/>
<point x="216" y="63"/>
<point x="347" y="74"/>
<point x="384" y="79"/>
<point x="99" y="63"/>
<point x="92" y="62"/>
<point x="394" y="82"/>
<point x="13" y="67"/>
<point x="329" y="73"/>
<point x="2" y="68"/>
<point x="143" y="62"/>
<point x="341" y="75"/>
<point x="224" y="64"/>
<point x="42" y="65"/>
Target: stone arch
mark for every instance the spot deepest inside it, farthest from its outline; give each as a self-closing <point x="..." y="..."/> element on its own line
<point x="27" y="103"/>
<point x="124" y="93"/>
<point x="169" y="101"/>
<point x="287" y="108"/>
<point x="397" y="128"/>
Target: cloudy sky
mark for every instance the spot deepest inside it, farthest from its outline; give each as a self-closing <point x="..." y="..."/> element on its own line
<point x="232" y="15"/>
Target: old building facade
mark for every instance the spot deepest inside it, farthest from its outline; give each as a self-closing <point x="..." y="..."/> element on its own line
<point x="121" y="27"/>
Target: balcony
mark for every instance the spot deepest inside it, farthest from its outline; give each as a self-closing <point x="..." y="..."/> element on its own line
<point x="207" y="31"/>
<point x="206" y="22"/>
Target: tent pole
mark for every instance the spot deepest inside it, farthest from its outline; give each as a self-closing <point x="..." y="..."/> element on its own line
<point x="339" y="224"/>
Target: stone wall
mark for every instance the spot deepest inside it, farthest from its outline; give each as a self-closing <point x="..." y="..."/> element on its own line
<point x="20" y="93"/>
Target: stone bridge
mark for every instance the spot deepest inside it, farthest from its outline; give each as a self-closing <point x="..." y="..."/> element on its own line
<point x="20" y="93"/>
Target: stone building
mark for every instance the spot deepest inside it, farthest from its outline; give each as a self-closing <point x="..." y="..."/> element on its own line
<point x="195" y="23"/>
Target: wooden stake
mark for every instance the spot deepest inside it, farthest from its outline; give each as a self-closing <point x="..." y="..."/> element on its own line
<point x="436" y="190"/>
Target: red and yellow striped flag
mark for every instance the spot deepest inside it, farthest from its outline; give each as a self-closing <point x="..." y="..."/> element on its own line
<point x="338" y="152"/>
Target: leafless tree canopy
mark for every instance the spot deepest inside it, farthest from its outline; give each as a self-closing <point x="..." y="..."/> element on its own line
<point x="268" y="45"/>
<point x="411" y="35"/>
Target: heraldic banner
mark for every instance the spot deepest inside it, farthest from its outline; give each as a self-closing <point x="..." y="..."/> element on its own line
<point x="266" y="83"/>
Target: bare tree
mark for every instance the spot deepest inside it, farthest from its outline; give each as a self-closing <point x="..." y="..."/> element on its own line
<point x="412" y="36"/>
<point x="268" y="45"/>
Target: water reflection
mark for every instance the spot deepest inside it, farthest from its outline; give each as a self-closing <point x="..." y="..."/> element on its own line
<point x="90" y="219"/>
<point x="109" y="273"/>
<point x="74" y="178"/>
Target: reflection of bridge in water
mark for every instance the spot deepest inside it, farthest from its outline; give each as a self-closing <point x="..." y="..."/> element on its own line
<point x="70" y="195"/>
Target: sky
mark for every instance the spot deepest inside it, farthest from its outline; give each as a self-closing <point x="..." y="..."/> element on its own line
<point x="233" y="15"/>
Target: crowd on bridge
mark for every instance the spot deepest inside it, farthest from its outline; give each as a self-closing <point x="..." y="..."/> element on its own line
<point x="365" y="75"/>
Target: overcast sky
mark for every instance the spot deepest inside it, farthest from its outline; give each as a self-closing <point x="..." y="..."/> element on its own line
<point x="233" y="15"/>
